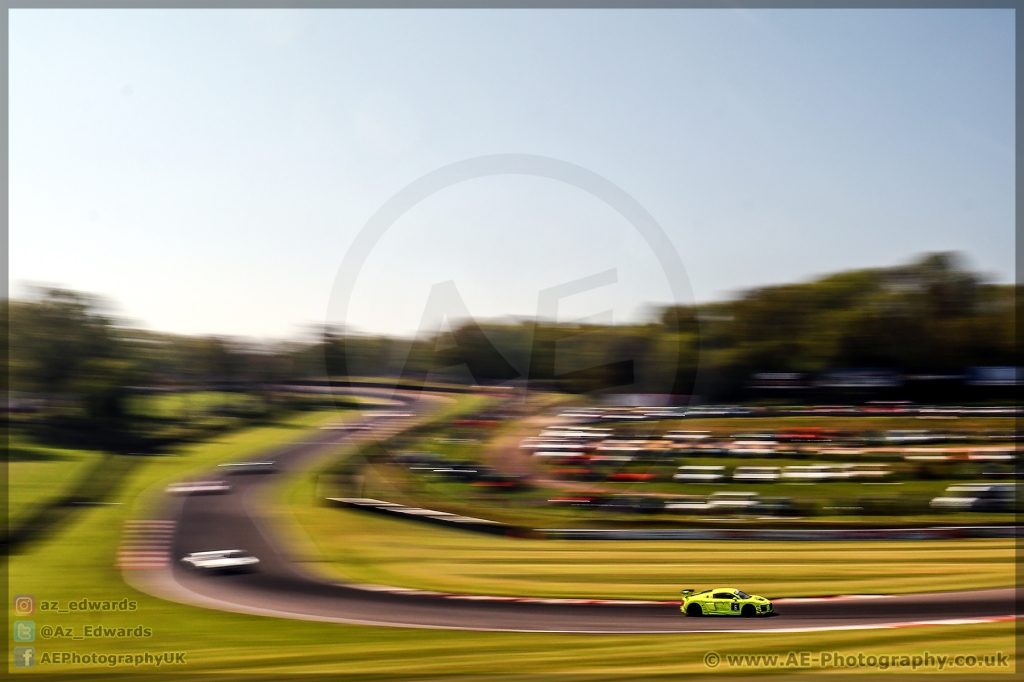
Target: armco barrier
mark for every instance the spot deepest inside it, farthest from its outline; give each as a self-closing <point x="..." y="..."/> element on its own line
<point x="819" y="534"/>
<point x="439" y="518"/>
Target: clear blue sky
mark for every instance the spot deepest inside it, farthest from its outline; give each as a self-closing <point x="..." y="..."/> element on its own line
<point x="207" y="170"/>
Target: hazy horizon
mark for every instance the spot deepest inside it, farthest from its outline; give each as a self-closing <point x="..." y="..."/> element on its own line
<point x="310" y="330"/>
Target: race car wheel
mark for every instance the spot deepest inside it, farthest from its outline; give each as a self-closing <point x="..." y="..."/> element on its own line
<point x="749" y="611"/>
<point x="694" y="610"/>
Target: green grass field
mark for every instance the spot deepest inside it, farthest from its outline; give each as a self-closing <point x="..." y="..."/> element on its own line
<point x="37" y="474"/>
<point x="366" y="548"/>
<point x="78" y="562"/>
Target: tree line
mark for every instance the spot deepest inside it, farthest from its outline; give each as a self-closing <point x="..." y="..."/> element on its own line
<point x="930" y="316"/>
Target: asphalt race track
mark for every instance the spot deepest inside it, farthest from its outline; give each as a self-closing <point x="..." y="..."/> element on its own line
<point x="282" y="589"/>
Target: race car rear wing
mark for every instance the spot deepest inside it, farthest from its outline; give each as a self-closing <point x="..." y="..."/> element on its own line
<point x="686" y="592"/>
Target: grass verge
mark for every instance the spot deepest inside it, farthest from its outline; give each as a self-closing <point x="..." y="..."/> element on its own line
<point x="371" y="549"/>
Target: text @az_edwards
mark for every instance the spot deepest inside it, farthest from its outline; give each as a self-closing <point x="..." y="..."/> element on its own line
<point x="95" y="632"/>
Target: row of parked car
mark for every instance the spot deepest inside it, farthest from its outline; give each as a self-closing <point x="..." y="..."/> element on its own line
<point x="974" y="497"/>
<point x="600" y="444"/>
<point x="598" y="414"/>
<point x="811" y="473"/>
<point x="982" y="497"/>
<point x="721" y="503"/>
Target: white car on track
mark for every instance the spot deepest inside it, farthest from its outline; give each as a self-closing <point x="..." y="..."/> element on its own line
<point x="222" y="560"/>
<point x="248" y="467"/>
<point x="198" y="488"/>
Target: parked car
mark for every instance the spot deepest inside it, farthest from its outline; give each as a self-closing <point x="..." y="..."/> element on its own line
<point x="812" y="473"/>
<point x="981" y="497"/>
<point x="687" y="504"/>
<point x="756" y="474"/>
<point x="733" y="502"/>
<point x="632" y="476"/>
<point x="699" y="474"/>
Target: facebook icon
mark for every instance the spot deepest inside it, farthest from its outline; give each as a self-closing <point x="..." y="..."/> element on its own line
<point x="24" y="656"/>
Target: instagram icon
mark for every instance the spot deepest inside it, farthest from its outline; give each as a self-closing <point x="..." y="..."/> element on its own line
<point x="24" y="605"/>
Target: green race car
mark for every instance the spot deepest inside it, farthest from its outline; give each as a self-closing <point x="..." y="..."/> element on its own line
<point x="724" y="601"/>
